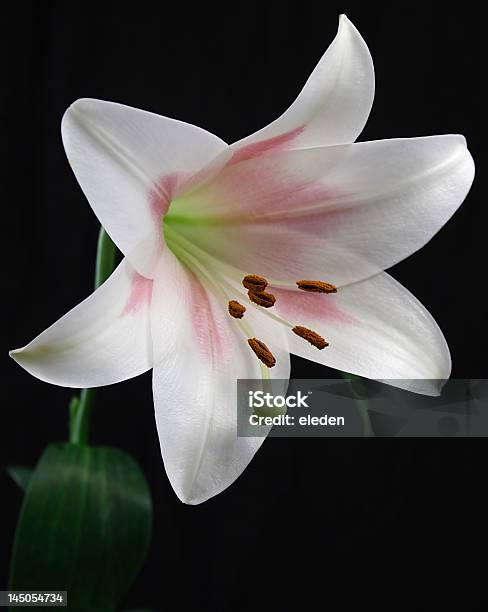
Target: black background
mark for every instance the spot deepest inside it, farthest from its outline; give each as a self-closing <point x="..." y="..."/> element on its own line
<point x="313" y="519"/>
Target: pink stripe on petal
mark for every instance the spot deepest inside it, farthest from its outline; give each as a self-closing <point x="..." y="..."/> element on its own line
<point x="300" y="307"/>
<point x="269" y="145"/>
<point x="209" y="332"/>
<point x="161" y="195"/>
<point x="267" y="194"/>
<point x="254" y="189"/>
<point x="288" y="202"/>
<point x="140" y="294"/>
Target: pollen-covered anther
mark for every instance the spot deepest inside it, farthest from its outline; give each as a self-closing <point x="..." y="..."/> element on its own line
<point x="255" y="283"/>
<point x="315" y="286"/>
<point x="262" y="352"/>
<point x="262" y="298"/>
<point x="236" y="310"/>
<point x="310" y="336"/>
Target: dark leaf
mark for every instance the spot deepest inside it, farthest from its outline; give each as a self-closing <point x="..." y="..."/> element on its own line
<point x="84" y="526"/>
<point x="20" y="474"/>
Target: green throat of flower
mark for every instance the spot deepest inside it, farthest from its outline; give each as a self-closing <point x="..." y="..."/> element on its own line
<point x="228" y="285"/>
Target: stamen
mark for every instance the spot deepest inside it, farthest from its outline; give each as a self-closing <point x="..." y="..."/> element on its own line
<point x="262" y="298"/>
<point x="192" y="257"/>
<point x="236" y="310"/>
<point x="262" y="352"/>
<point x="316" y="286"/>
<point x="255" y="283"/>
<point x="310" y="336"/>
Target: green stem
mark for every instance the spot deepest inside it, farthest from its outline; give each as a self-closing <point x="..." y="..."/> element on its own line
<point x="81" y="407"/>
<point x="105" y="262"/>
<point x="362" y="405"/>
<point x="80" y="417"/>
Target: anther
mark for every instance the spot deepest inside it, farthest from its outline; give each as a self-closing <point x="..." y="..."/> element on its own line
<point x="255" y="283"/>
<point x="310" y="336"/>
<point x="262" y="298"/>
<point x="316" y="286"/>
<point x="262" y="352"/>
<point x="236" y="310"/>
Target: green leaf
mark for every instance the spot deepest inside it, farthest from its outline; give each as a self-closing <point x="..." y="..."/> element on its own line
<point x="20" y="474"/>
<point x="84" y="527"/>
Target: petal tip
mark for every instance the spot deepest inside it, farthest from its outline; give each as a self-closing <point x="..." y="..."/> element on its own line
<point x="79" y="103"/>
<point x="188" y="497"/>
<point x="26" y="354"/>
<point x="436" y="387"/>
<point x="75" y="106"/>
<point x="18" y="353"/>
<point x="345" y="22"/>
<point x="462" y="140"/>
<point x="188" y="501"/>
<point x="80" y="107"/>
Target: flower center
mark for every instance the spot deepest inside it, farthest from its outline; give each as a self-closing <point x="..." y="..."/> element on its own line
<point x="224" y="280"/>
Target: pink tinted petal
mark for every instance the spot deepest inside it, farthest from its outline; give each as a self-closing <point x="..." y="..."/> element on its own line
<point x="199" y="354"/>
<point x="161" y="194"/>
<point x="300" y="306"/>
<point x="375" y="328"/>
<point x="339" y="213"/>
<point x="103" y="340"/>
<point x="140" y="294"/>
<point x="281" y="183"/>
<point x="212" y="338"/>
<point x="126" y="161"/>
<point x="267" y="145"/>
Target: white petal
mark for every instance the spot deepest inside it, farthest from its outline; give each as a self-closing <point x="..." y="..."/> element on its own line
<point x="376" y="329"/>
<point x="129" y="163"/>
<point x="103" y="340"/>
<point x="333" y="106"/>
<point x="199" y="353"/>
<point x="339" y="214"/>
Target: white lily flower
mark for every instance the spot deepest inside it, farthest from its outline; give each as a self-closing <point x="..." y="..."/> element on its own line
<point x="294" y="201"/>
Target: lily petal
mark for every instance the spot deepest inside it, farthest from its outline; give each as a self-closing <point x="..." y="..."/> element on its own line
<point x="199" y="353"/>
<point x="376" y="329"/>
<point x="339" y="213"/>
<point x="333" y="106"/>
<point x="103" y="340"/>
<point x="129" y="164"/>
